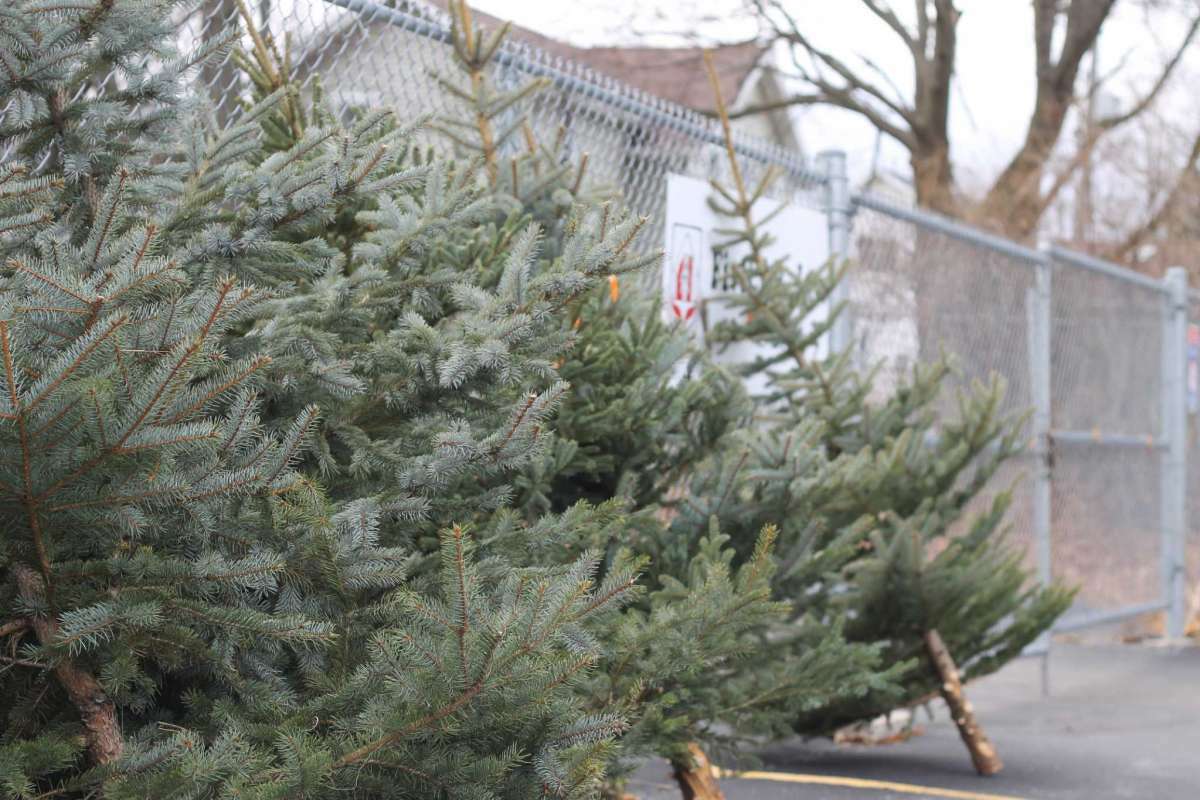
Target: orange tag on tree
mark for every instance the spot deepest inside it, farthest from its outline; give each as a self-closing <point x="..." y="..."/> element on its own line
<point x="614" y="288"/>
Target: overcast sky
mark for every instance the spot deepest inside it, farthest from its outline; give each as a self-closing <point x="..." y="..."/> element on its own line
<point x="994" y="91"/>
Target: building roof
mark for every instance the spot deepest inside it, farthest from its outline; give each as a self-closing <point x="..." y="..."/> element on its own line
<point x="676" y="74"/>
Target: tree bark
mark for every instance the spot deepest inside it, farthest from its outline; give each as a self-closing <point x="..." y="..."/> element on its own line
<point x="983" y="754"/>
<point x="697" y="781"/>
<point x="1014" y="204"/>
<point x="933" y="177"/>
<point x="97" y="712"/>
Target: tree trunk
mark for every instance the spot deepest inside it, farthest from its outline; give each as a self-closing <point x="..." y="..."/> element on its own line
<point x="933" y="177"/>
<point x="983" y="754"/>
<point x="96" y="710"/>
<point x="698" y="780"/>
<point x="1014" y="204"/>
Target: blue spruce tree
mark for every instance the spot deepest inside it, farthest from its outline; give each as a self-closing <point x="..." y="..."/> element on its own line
<point x="212" y="586"/>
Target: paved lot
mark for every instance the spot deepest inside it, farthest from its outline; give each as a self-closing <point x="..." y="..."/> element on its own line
<point x="1121" y="722"/>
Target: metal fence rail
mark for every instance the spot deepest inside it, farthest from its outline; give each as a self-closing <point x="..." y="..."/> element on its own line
<point x="1099" y="353"/>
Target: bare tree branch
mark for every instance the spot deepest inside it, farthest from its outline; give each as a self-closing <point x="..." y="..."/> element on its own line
<point x="883" y="76"/>
<point x="774" y="105"/>
<point x="846" y="96"/>
<point x="1064" y="175"/>
<point x="886" y="14"/>
<point x="922" y="27"/>
<point x="1064" y="32"/>
<point x="1155" y="220"/>
<point x="1108" y="123"/>
<point x="1084" y="19"/>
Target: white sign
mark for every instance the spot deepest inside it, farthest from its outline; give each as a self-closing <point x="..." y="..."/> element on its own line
<point x="696" y="267"/>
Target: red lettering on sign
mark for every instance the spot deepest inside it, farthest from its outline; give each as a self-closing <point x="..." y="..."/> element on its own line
<point x="685" y="275"/>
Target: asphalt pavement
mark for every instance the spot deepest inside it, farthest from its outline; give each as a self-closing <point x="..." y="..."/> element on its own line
<point x="1120" y="721"/>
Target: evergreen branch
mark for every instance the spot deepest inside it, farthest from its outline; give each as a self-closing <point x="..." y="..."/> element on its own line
<point x="741" y="462"/>
<point x="15" y="626"/>
<point x="54" y="8"/>
<point x="21" y="662"/>
<point x="151" y="230"/>
<point x="553" y="624"/>
<point x="367" y="750"/>
<point x="296" y="440"/>
<point x="180" y="439"/>
<point x="20" y="266"/>
<point x="114" y="204"/>
<point x="137" y="262"/>
<point x="225" y="488"/>
<point x="301" y="629"/>
<point x="9" y="374"/>
<point x="53" y="444"/>
<point x="51" y="310"/>
<point x="245" y="414"/>
<point x="254" y="366"/>
<point x="416" y="773"/>
<point x="222" y="293"/>
<point x="601" y="600"/>
<point x="105" y="742"/>
<point x="431" y="655"/>
<point x="464" y="610"/>
<point x="118" y="499"/>
<point x="583" y="662"/>
<point x="124" y="370"/>
<point x="27" y="221"/>
<point x="76" y="362"/>
<point x="41" y="326"/>
<point x="27" y="500"/>
<point x="56" y="418"/>
<point x="99" y="417"/>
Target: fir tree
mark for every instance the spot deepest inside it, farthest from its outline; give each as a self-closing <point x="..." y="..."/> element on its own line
<point x="877" y="496"/>
<point x="646" y="410"/>
<point x="187" y="608"/>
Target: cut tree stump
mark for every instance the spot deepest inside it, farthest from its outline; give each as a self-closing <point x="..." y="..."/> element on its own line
<point x="983" y="754"/>
<point x="698" y="781"/>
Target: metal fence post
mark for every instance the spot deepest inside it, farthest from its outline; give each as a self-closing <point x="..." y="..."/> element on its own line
<point x="1174" y="459"/>
<point x="1039" y="311"/>
<point x="839" y="210"/>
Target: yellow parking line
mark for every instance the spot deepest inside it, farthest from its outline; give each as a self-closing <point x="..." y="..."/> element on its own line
<point x="862" y="783"/>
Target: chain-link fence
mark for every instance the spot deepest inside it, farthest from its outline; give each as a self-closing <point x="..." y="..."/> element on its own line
<point x="367" y="54"/>
<point x="1108" y="344"/>
<point x="1097" y="353"/>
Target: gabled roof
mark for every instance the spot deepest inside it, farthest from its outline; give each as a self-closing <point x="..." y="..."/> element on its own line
<point x="676" y="74"/>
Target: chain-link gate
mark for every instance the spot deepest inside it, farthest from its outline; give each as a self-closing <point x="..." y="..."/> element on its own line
<point x="1098" y="353"/>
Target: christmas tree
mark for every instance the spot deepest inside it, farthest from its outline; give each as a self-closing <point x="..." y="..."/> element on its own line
<point x="876" y="496"/>
<point x="528" y="186"/>
<point x="210" y="585"/>
<point x="646" y="410"/>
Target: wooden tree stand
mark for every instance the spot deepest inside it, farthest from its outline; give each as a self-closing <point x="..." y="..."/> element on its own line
<point x="983" y="754"/>
<point x="697" y="781"/>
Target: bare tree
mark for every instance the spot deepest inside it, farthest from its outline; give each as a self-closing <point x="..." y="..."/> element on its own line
<point x="1064" y="32"/>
